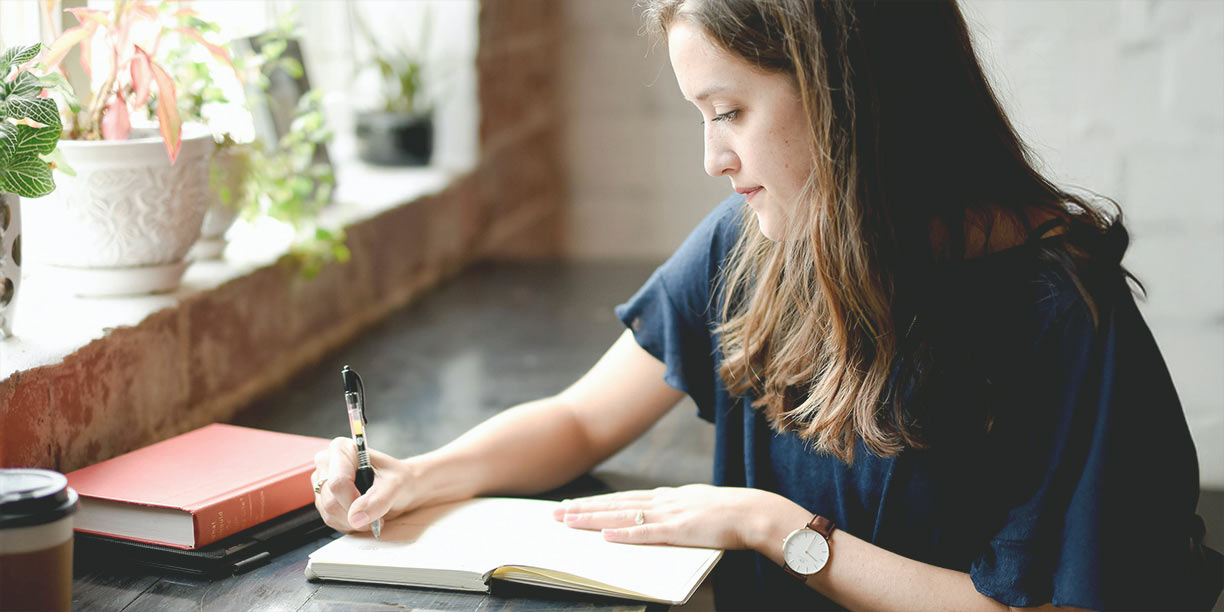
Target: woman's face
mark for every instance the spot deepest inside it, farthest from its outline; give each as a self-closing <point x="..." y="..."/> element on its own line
<point x="756" y="131"/>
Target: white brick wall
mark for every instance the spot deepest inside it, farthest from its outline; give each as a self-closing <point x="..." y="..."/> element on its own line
<point x="1123" y="97"/>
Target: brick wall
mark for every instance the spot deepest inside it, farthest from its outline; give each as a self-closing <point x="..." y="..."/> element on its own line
<point x="520" y="174"/>
<point x="206" y="358"/>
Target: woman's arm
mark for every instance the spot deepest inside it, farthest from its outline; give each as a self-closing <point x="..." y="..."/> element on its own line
<point x="526" y="449"/>
<point x="859" y="575"/>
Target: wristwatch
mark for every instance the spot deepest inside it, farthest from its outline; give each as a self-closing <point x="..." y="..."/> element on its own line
<point x="806" y="550"/>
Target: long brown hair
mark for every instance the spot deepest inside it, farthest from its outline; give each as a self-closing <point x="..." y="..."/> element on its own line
<point x="915" y="163"/>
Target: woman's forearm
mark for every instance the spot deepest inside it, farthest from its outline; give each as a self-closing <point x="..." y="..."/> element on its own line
<point x="526" y="449"/>
<point x="863" y="576"/>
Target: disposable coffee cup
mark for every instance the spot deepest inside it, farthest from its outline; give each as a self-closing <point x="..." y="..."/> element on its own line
<point x="36" y="508"/>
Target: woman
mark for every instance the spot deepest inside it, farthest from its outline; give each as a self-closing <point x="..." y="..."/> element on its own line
<point x="925" y="368"/>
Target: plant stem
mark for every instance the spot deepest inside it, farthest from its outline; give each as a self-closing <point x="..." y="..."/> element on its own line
<point x="93" y="124"/>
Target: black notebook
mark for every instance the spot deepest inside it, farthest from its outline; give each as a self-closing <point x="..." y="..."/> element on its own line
<point x="236" y="554"/>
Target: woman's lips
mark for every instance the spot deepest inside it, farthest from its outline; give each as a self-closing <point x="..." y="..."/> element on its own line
<point x="748" y="194"/>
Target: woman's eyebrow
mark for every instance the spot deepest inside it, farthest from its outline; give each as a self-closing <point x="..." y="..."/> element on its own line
<point x="709" y="91"/>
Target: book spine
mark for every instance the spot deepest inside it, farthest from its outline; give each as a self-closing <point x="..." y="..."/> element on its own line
<point x="223" y="517"/>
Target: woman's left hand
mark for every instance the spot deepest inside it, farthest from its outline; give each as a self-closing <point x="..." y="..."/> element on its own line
<point x="692" y="515"/>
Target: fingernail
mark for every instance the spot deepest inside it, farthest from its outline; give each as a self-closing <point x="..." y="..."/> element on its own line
<point x="359" y="520"/>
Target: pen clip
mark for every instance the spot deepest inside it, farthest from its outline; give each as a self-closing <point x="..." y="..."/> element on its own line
<point x="361" y="397"/>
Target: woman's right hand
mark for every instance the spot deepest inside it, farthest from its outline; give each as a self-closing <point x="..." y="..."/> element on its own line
<point x="340" y="504"/>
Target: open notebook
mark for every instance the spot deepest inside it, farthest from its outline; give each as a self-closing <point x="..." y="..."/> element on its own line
<point x="462" y="545"/>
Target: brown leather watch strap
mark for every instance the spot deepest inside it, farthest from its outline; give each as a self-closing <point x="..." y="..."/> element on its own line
<point x="822" y="525"/>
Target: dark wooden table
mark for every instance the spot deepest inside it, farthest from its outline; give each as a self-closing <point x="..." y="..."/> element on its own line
<point x="497" y="335"/>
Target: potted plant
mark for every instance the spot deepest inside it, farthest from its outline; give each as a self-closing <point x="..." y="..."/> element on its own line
<point x="288" y="181"/>
<point x="210" y="94"/>
<point x="400" y="131"/>
<point x="29" y="130"/>
<point x="223" y="100"/>
<point x="288" y="184"/>
<point x="123" y="224"/>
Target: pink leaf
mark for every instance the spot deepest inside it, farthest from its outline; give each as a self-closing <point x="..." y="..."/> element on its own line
<point x="146" y="10"/>
<point x="70" y="38"/>
<point x="168" y="120"/>
<point x="87" y="56"/>
<point x="142" y="77"/>
<point x="219" y="52"/>
<point x="116" y="124"/>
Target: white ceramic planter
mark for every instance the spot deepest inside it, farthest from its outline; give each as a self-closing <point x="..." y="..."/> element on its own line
<point x="10" y="260"/>
<point x="227" y="168"/>
<point x="123" y="224"/>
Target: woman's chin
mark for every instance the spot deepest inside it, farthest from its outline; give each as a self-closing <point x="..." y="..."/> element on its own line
<point x="769" y="227"/>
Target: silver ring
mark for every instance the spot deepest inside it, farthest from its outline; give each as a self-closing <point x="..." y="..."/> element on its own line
<point x="319" y="486"/>
<point x="640" y="517"/>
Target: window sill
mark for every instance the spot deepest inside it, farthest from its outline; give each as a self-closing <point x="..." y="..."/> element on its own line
<point x="51" y="324"/>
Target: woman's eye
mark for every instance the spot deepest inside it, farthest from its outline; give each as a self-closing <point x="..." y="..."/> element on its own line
<point x="727" y="116"/>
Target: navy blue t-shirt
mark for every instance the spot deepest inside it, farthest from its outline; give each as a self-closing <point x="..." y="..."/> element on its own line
<point x="1081" y="492"/>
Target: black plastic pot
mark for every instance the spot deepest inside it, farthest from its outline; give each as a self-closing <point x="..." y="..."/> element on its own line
<point x="394" y="139"/>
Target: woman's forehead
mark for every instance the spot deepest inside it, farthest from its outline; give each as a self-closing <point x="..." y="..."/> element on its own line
<point x="702" y="67"/>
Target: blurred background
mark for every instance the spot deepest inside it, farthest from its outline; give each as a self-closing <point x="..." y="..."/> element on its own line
<point x="1122" y="97"/>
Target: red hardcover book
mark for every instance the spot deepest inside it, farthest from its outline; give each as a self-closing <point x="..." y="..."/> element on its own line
<point x="198" y="487"/>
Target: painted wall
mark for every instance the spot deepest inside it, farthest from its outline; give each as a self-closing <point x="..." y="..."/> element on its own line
<point x="1123" y="97"/>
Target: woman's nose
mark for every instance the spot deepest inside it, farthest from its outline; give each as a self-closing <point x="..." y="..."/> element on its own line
<point x="720" y="159"/>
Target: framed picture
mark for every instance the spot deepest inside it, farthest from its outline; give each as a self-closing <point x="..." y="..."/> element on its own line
<point x="275" y="110"/>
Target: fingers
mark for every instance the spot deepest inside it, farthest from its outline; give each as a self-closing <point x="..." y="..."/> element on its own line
<point x="642" y="526"/>
<point x="380" y="498"/>
<point x="343" y="459"/>
<point x="379" y="459"/>
<point x="337" y="465"/>
<point x="606" y="519"/>
<point x="624" y="500"/>
<point x="631" y="517"/>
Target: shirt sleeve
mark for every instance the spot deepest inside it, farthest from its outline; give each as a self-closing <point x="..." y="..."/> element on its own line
<point x="673" y="314"/>
<point x="1099" y="473"/>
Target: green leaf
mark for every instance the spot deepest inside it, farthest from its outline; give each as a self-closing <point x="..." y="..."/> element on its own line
<point x="26" y="85"/>
<point x="17" y="56"/>
<point x="28" y="178"/>
<point x="341" y="252"/>
<point x="8" y="140"/>
<point x="35" y="141"/>
<point x="42" y="110"/>
<point x="61" y="162"/>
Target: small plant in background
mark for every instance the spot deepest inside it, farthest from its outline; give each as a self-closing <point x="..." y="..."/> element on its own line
<point x="284" y="180"/>
<point x="399" y="132"/>
<point x="29" y="126"/>
<point x="288" y="185"/>
<point x="401" y="71"/>
<point x="133" y="81"/>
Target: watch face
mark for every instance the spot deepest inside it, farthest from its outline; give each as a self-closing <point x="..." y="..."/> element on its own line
<point x="805" y="551"/>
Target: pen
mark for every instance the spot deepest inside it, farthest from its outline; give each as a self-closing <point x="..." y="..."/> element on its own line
<point x="354" y="401"/>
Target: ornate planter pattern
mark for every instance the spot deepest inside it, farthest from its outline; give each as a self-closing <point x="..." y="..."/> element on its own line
<point x="10" y="260"/>
<point x="123" y="224"/>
